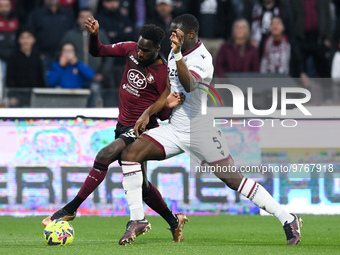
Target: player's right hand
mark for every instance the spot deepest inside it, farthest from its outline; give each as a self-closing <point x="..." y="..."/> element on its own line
<point x="177" y="40"/>
<point x="141" y="124"/>
<point x="92" y="25"/>
<point x="175" y="99"/>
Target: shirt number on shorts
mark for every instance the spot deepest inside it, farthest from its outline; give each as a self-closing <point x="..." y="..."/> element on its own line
<point x="217" y="141"/>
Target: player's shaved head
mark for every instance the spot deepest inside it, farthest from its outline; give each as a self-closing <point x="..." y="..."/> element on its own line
<point x="188" y="22"/>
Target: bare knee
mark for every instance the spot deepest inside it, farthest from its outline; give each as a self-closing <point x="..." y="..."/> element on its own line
<point x="102" y="156"/>
<point x="110" y="153"/>
<point x="229" y="175"/>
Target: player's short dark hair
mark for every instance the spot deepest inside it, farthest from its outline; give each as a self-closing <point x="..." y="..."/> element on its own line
<point x="153" y="33"/>
<point x="188" y="22"/>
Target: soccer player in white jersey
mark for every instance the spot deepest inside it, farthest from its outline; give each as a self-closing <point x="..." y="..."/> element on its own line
<point x="189" y="68"/>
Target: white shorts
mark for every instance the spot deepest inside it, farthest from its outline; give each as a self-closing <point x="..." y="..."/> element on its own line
<point x="205" y="146"/>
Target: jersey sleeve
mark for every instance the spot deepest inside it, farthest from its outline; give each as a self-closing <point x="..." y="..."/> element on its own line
<point x="97" y="49"/>
<point x="200" y="69"/>
<point x="164" y="113"/>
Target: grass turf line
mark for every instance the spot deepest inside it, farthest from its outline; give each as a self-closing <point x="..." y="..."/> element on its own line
<point x="235" y="234"/>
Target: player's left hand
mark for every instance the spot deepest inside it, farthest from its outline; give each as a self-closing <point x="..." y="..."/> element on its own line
<point x="141" y="124"/>
<point x="177" y="40"/>
<point x="175" y="99"/>
<point x="92" y="25"/>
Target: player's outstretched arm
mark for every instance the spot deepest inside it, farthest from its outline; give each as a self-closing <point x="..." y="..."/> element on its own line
<point x="96" y="48"/>
<point x="187" y="80"/>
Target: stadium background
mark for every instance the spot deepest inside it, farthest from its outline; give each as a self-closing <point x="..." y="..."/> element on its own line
<point x="46" y="153"/>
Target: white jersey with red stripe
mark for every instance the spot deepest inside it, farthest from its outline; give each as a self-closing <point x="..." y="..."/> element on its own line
<point x="189" y="114"/>
<point x="190" y="131"/>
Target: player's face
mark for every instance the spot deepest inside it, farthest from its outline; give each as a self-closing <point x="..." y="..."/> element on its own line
<point x="174" y="26"/>
<point x="147" y="52"/>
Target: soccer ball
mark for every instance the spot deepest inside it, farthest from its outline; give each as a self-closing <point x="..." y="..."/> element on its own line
<point x="59" y="233"/>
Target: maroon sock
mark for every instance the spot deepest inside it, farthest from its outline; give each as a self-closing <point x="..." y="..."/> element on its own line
<point x="95" y="177"/>
<point x="153" y="198"/>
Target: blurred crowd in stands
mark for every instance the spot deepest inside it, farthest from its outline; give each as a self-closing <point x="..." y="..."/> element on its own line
<point x="43" y="43"/>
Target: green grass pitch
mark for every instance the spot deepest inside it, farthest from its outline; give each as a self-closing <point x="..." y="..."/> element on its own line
<point x="223" y="234"/>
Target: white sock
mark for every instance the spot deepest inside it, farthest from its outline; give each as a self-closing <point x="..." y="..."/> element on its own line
<point x="132" y="184"/>
<point x="260" y="197"/>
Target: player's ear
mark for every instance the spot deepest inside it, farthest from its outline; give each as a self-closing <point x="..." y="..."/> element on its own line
<point x="158" y="48"/>
<point x="192" y="34"/>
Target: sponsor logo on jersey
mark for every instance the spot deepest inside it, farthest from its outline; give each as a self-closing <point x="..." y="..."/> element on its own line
<point x="172" y="72"/>
<point x="131" y="90"/>
<point x="136" y="79"/>
<point x="133" y="59"/>
<point x="150" y="78"/>
<point x="199" y="68"/>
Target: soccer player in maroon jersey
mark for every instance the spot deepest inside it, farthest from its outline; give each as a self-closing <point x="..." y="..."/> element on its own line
<point x="143" y="82"/>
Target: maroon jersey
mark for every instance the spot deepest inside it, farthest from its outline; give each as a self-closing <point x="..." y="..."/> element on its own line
<point x="140" y="86"/>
